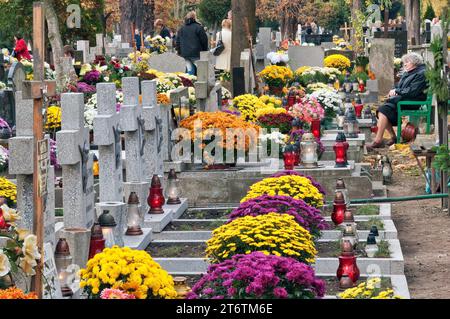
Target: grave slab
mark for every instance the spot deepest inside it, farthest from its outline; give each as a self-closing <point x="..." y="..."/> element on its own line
<point x="138" y="242"/>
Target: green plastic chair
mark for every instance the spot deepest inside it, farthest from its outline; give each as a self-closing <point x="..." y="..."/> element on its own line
<point x="424" y="111"/>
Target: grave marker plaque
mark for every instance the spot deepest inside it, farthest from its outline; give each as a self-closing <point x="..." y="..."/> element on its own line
<point x="401" y="41"/>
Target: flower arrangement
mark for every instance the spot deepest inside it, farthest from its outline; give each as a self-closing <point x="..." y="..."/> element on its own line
<point x="368" y="290"/>
<point x="225" y="76"/>
<point x="83" y="87"/>
<point x="397" y="64"/>
<point x="16" y="293"/>
<point x="20" y="252"/>
<point x="90" y="111"/>
<point x="313" y="181"/>
<point x="276" y="76"/>
<point x="278" y="58"/>
<point x="307" y="108"/>
<point x="193" y="98"/>
<point x="257" y="275"/>
<point x="53" y="157"/>
<point x="337" y="61"/>
<point x="8" y="190"/>
<point x="306" y="216"/>
<point x="164" y="85"/>
<point x="53" y="121"/>
<point x="163" y="99"/>
<point x="49" y="74"/>
<point x="271" y="234"/>
<point x="132" y="271"/>
<point x="270" y="110"/>
<point x="220" y="121"/>
<point x="271" y="101"/>
<point x="93" y="77"/>
<point x="274" y="137"/>
<point x="311" y="88"/>
<point x="4" y="158"/>
<point x="116" y="71"/>
<point x="2" y="85"/>
<point x="298" y="187"/>
<point x="307" y="75"/>
<point x="115" y="294"/>
<point x="330" y="100"/>
<point x="157" y="44"/>
<point x="281" y="121"/>
<point x="247" y="105"/>
<point x="226" y="94"/>
<point x="139" y="56"/>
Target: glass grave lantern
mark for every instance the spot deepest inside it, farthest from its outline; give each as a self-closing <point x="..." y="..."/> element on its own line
<point x="289" y="157"/>
<point x="173" y="188"/>
<point x="339" y="208"/>
<point x="134" y="217"/>
<point x="367" y="113"/>
<point x="97" y="243"/>
<point x="308" y="150"/>
<point x="315" y="126"/>
<point x="340" y="187"/>
<point x="340" y="119"/>
<point x="156" y="198"/>
<point x="351" y="127"/>
<point x="371" y="246"/>
<point x="107" y="223"/>
<point x="63" y="259"/>
<point x="358" y="107"/>
<point x="347" y="263"/>
<point x="340" y="150"/>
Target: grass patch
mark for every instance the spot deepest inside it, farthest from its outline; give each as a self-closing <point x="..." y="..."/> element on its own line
<point x="368" y="210"/>
<point x="383" y="250"/>
<point x="374" y="221"/>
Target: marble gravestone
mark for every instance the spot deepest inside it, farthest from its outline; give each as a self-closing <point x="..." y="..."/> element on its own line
<point x="107" y="137"/>
<point x="76" y="160"/>
<point x="151" y="113"/>
<point x="21" y="162"/>
<point x="167" y="62"/>
<point x="382" y="63"/>
<point x="207" y="89"/>
<point x="133" y="124"/>
<point x="246" y="63"/>
<point x="265" y="40"/>
<point x="305" y="56"/>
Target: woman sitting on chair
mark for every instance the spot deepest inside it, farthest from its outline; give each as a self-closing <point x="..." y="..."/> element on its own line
<point x="411" y="87"/>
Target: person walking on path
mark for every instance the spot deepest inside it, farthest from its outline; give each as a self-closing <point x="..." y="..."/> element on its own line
<point x="161" y="29"/>
<point x="21" y="49"/>
<point x="191" y="40"/>
<point x="223" y="61"/>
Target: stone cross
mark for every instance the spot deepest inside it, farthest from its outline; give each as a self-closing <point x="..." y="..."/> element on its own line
<point x="21" y="165"/>
<point x="246" y="63"/>
<point x="133" y="124"/>
<point x="346" y="31"/>
<point x="76" y="161"/>
<point x="206" y="87"/>
<point x="151" y="113"/>
<point x="107" y="137"/>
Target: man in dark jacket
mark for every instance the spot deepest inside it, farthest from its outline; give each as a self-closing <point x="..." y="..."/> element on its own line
<point x="191" y="40"/>
<point x="411" y="87"/>
<point x="161" y="29"/>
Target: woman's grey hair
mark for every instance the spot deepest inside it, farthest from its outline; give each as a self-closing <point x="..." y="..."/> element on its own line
<point x="413" y="57"/>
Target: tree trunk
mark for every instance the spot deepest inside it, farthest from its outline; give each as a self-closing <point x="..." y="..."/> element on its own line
<point x="241" y="10"/>
<point x="56" y="43"/>
<point x="131" y="11"/>
<point x="412" y="13"/>
<point x="356" y="5"/>
<point x="149" y="16"/>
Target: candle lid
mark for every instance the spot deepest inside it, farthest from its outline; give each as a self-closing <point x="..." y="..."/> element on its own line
<point x="172" y="174"/>
<point x="62" y="248"/>
<point x="341" y="137"/>
<point x="371" y="239"/>
<point x="348" y="216"/>
<point x="155" y="181"/>
<point x="106" y="219"/>
<point x="339" y="198"/>
<point x="133" y="199"/>
<point x="308" y="137"/>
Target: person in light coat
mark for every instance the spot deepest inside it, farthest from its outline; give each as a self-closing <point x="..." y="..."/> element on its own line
<point x="223" y="61"/>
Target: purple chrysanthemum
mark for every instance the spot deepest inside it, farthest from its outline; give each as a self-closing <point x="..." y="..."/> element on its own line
<point x="307" y="216"/>
<point x="257" y="275"/>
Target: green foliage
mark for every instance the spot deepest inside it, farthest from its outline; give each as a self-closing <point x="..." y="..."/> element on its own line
<point x="212" y="12"/>
<point x="337" y="17"/>
<point x="17" y="17"/>
<point x="429" y="12"/>
<point x="442" y="158"/>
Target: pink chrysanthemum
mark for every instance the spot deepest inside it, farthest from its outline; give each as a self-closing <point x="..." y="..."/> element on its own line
<point x="115" y="294"/>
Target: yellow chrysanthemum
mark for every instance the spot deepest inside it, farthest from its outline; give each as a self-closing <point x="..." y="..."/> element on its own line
<point x="132" y="271"/>
<point x="261" y="233"/>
